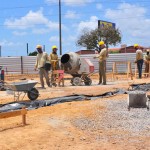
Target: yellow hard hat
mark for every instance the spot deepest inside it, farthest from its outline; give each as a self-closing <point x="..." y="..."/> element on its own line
<point x="101" y="43"/>
<point x="39" y="46"/>
<point x="136" y="45"/>
<point x="54" y="47"/>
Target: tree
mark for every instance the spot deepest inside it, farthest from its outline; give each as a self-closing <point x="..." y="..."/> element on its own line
<point x="33" y="53"/>
<point x="90" y="38"/>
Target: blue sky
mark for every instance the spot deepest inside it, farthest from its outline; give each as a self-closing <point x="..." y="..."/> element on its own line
<point x="37" y="22"/>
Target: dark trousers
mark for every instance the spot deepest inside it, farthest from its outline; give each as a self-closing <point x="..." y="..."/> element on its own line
<point x="139" y="66"/>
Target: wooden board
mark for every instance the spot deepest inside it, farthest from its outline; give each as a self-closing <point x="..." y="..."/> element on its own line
<point x="15" y="113"/>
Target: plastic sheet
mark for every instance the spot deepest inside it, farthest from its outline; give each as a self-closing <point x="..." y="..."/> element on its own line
<point x="141" y="87"/>
<point x="42" y="103"/>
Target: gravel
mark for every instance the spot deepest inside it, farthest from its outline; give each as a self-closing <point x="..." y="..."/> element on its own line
<point x="116" y="117"/>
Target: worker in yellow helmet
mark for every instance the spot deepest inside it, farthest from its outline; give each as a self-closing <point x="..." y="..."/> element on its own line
<point x="139" y="59"/>
<point x="102" y="62"/>
<point x="54" y="62"/>
<point x="41" y="59"/>
<point x="147" y="62"/>
<point x="54" y="58"/>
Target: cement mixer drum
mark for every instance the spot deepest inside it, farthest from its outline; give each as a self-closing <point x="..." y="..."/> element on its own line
<point x="71" y="62"/>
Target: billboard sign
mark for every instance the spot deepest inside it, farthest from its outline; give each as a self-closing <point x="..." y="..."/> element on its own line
<point x="105" y="24"/>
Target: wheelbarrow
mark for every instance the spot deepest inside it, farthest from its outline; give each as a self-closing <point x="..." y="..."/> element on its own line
<point x="24" y="87"/>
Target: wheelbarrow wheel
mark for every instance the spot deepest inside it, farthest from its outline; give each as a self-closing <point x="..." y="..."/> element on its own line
<point x="76" y="81"/>
<point x="33" y="94"/>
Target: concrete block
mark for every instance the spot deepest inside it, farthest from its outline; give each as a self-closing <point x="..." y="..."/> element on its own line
<point x="137" y="99"/>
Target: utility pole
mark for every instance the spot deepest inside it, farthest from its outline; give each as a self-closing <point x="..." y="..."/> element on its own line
<point x="44" y="48"/>
<point x="0" y="51"/>
<point x="60" y="40"/>
<point x="27" y="49"/>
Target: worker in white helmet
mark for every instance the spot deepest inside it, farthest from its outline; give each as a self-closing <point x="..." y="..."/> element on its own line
<point x="42" y="58"/>
<point x="139" y="59"/>
<point x="102" y="63"/>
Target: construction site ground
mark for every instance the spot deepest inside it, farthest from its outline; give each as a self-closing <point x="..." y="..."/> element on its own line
<point x="101" y="124"/>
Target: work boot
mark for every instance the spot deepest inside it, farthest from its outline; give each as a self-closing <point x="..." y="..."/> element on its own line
<point x="99" y="83"/>
<point x="54" y="84"/>
<point x="42" y="87"/>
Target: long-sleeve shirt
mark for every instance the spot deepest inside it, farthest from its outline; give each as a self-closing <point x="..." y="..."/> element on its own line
<point x="54" y="61"/>
<point x="139" y="54"/>
<point x="41" y="60"/>
<point x="147" y="57"/>
<point x="102" y="55"/>
<point x="53" y="57"/>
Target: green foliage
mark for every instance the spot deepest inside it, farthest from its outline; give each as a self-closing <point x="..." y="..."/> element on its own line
<point x="90" y="38"/>
<point x="33" y="53"/>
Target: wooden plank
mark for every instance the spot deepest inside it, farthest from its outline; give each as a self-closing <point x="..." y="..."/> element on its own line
<point x="121" y="62"/>
<point x="15" y="113"/>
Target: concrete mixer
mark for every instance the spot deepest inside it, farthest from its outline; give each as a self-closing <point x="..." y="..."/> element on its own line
<point x="79" y="68"/>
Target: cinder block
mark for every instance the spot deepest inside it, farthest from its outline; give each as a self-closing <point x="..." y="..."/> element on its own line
<point x="137" y="99"/>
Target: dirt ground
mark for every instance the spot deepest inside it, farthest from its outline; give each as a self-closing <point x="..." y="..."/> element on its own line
<point x="74" y="125"/>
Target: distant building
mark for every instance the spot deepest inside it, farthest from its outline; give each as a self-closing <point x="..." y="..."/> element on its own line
<point x="130" y="49"/>
<point x="85" y="52"/>
<point x="114" y="50"/>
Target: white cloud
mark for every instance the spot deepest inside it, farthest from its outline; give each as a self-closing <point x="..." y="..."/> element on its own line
<point x="40" y="31"/>
<point x="71" y="2"/>
<point x="19" y="33"/>
<point x="6" y="43"/>
<point x="54" y="39"/>
<point x="131" y="20"/>
<point x="99" y="6"/>
<point x="32" y="20"/>
<point x="71" y="15"/>
<point x="28" y="21"/>
<point x="53" y="25"/>
<point x="91" y="24"/>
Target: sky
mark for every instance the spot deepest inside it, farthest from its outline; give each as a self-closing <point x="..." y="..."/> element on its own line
<point x="37" y="22"/>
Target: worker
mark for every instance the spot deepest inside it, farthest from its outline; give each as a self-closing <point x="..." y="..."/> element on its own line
<point x="54" y="63"/>
<point x="54" y="58"/>
<point x="147" y="61"/>
<point x="41" y="59"/>
<point x="139" y="59"/>
<point x="102" y="61"/>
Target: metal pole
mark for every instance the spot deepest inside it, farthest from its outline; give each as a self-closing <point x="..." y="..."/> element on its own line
<point x="27" y="49"/>
<point x="0" y="51"/>
<point x="60" y="42"/>
<point x="21" y="65"/>
<point x="44" y="48"/>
